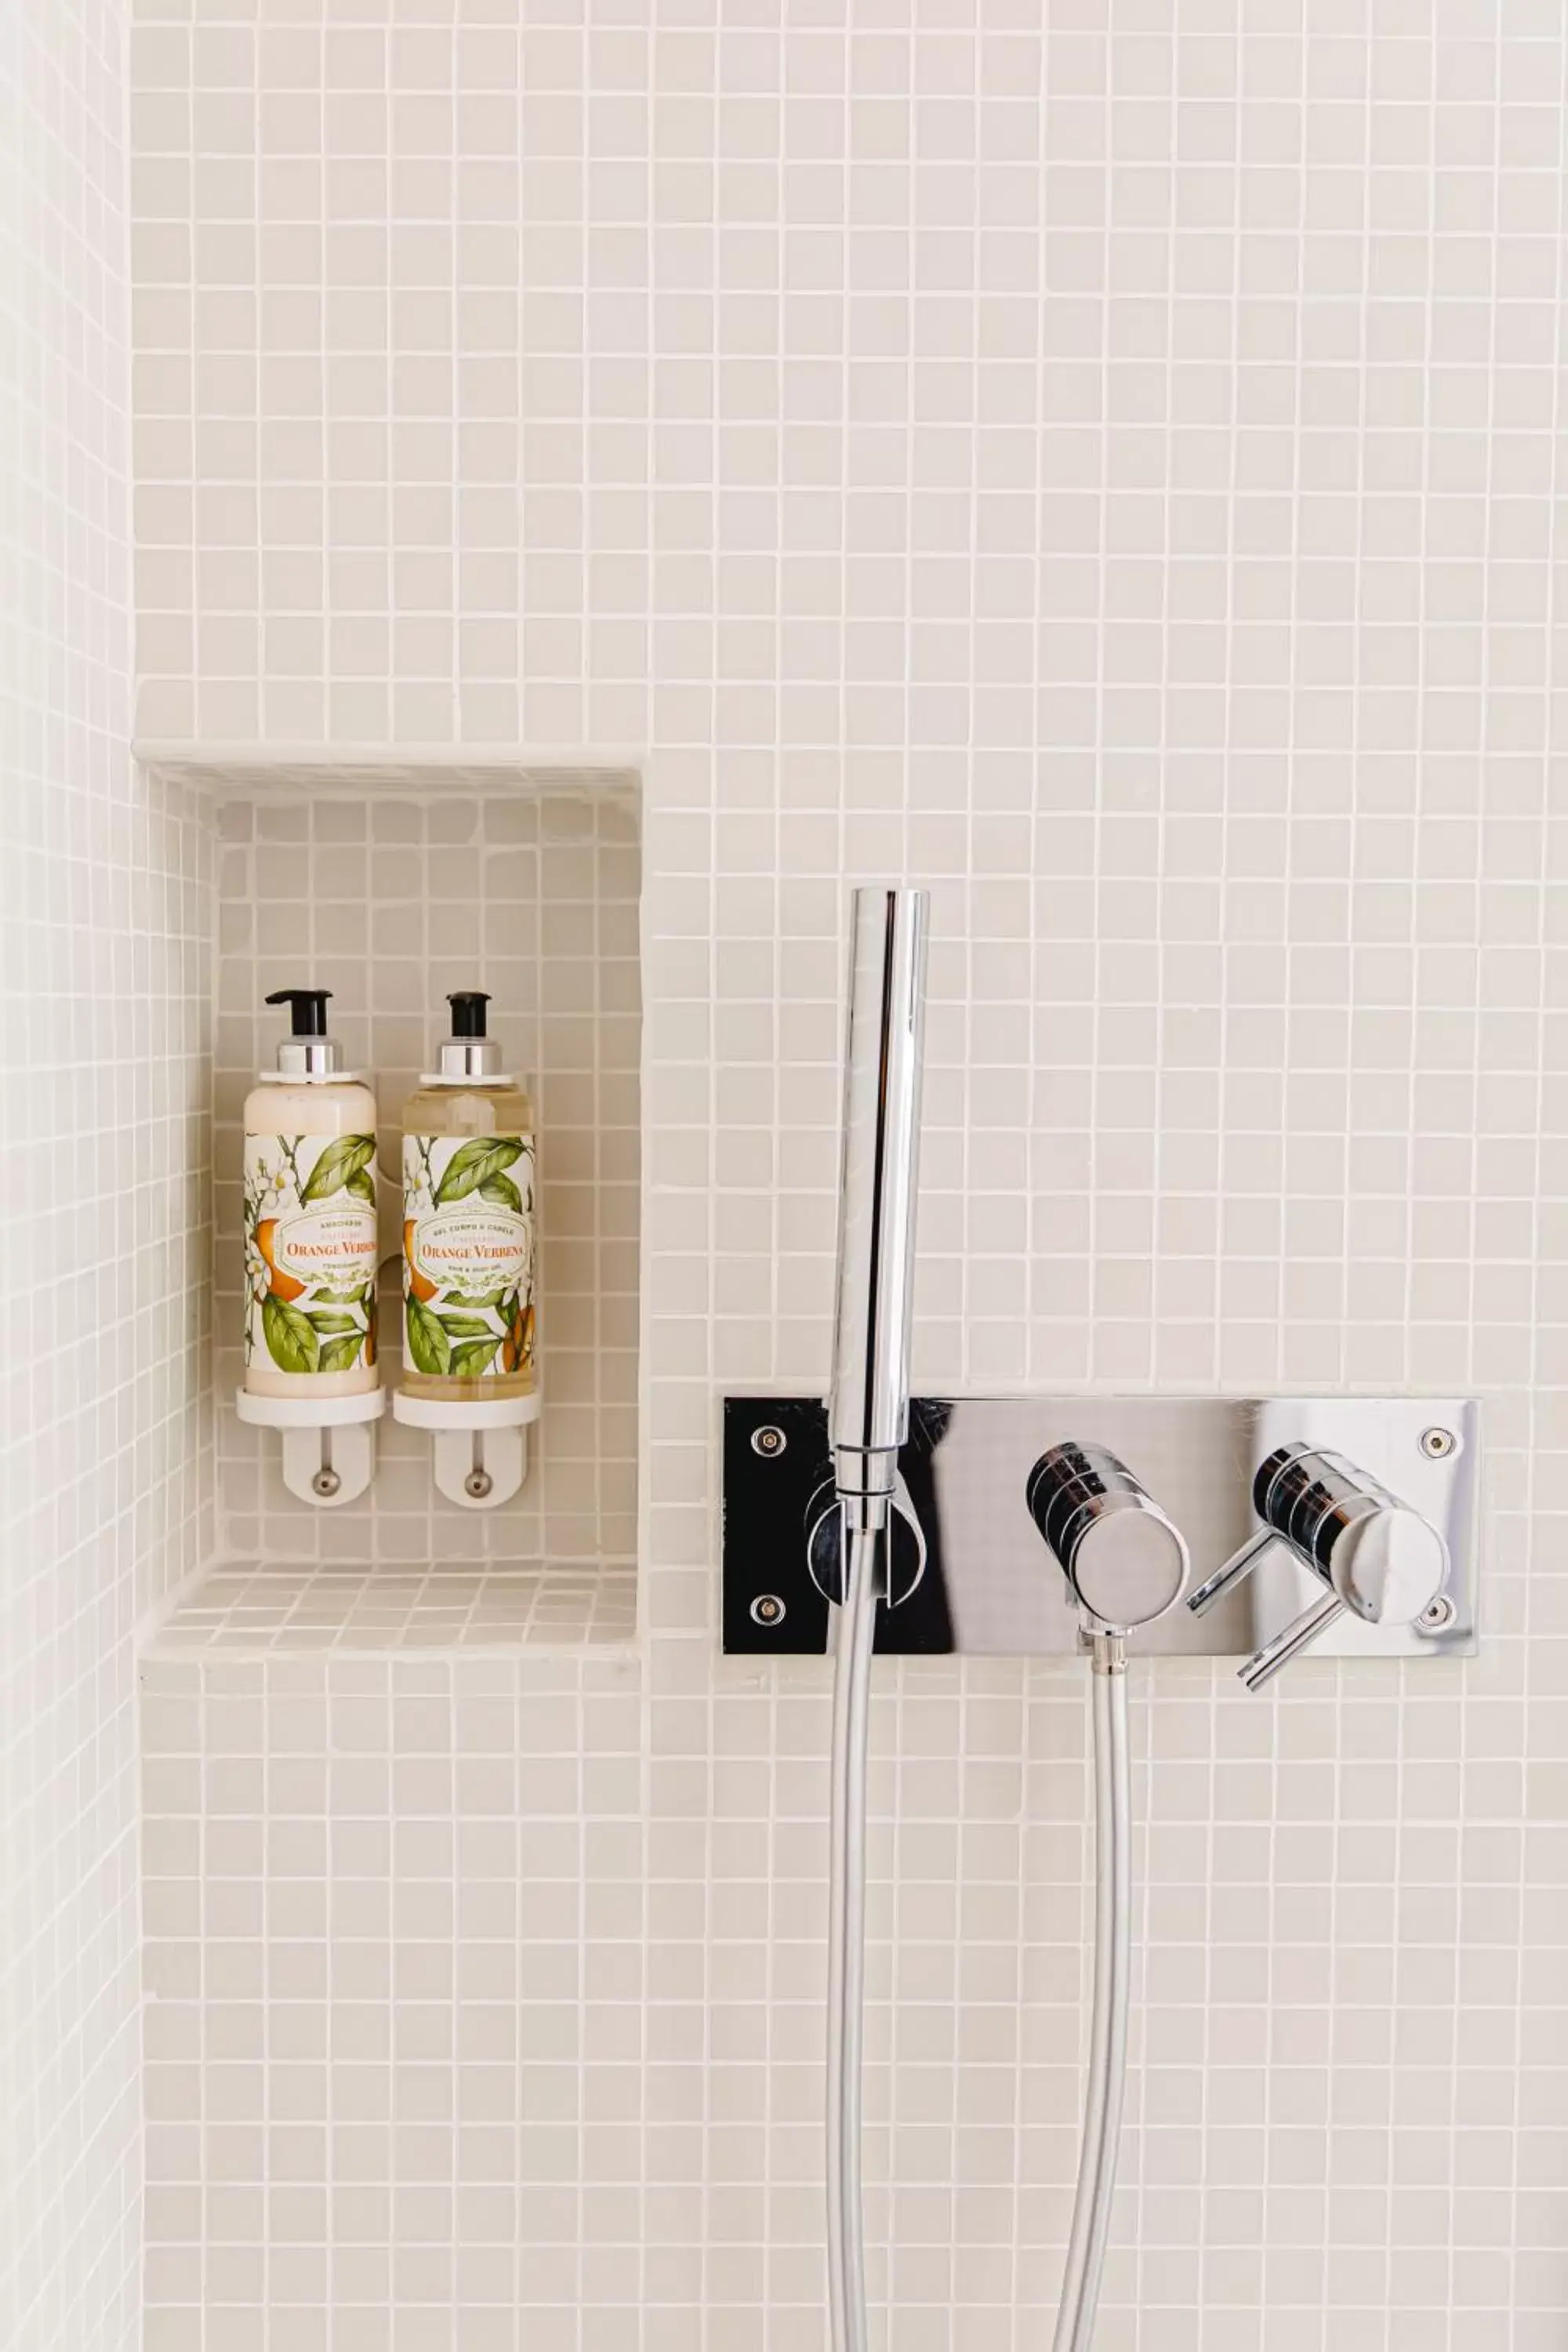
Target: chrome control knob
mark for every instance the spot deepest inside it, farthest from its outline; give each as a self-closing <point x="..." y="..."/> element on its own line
<point x="1373" y="1554"/>
<point x="1384" y="1559"/>
<point x="1124" y="1559"/>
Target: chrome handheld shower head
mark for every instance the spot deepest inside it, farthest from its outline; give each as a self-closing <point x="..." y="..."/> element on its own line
<point x="869" y="1410"/>
<point x="867" y="1420"/>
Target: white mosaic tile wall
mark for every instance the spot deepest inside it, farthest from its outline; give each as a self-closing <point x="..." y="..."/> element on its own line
<point x="1110" y="472"/>
<point x="105" y="1447"/>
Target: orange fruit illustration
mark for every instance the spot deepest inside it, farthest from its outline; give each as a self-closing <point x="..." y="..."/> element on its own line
<point x="282" y="1285"/>
<point x="424" y="1289"/>
<point x="517" y="1347"/>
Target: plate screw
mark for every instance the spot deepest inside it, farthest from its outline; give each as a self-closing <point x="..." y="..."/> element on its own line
<point x="769" y="1441"/>
<point x="1436" y="1444"/>
<point x="767" y="1608"/>
<point x="478" y="1484"/>
<point x="325" y="1483"/>
<point x="1438" y="1616"/>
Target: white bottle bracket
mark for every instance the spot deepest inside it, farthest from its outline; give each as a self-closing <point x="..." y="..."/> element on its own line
<point x="480" y="1449"/>
<point x="329" y="1443"/>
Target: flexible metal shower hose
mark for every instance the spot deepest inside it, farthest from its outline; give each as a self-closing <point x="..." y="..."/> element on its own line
<point x="845" y="1969"/>
<point x="1108" y="2024"/>
<point x="846" y="1937"/>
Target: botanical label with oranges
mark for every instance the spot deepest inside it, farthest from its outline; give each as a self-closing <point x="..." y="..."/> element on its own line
<point x="468" y="1255"/>
<point x="310" y="1252"/>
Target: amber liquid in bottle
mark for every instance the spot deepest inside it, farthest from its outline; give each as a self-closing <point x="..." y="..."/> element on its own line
<point x="469" y="1241"/>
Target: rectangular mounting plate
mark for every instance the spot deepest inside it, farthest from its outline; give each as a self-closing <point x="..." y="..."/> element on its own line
<point x="991" y="1589"/>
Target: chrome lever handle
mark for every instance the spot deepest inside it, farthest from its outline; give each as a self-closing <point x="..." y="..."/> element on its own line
<point x="1225" y="1579"/>
<point x="1300" y="1635"/>
<point x="1373" y="1553"/>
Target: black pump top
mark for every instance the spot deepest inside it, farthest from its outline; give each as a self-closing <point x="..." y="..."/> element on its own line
<point x="468" y="1011"/>
<point x="309" y="1009"/>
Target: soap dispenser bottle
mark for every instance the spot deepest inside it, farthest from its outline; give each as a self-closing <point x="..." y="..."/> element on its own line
<point x="310" y="1248"/>
<point x="468" y="1231"/>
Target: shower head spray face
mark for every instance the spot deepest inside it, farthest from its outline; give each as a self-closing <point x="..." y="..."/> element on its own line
<point x="869" y="1408"/>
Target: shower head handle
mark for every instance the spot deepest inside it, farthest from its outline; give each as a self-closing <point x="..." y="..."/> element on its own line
<point x="869" y="1404"/>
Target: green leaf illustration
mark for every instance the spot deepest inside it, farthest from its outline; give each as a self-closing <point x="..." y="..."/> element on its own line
<point x="327" y="1296"/>
<point x="362" y="1184"/>
<point x="469" y="1362"/>
<point x="465" y="1327"/>
<point x="291" y="1343"/>
<point x="326" y="1324"/>
<point x="463" y="1299"/>
<point x="501" y="1193"/>
<point x="341" y="1355"/>
<point x="346" y="1156"/>
<point x="511" y="1308"/>
<point x="482" y="1157"/>
<point x="429" y="1350"/>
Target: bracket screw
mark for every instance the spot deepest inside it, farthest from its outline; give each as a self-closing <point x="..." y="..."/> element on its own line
<point x="478" y="1484"/>
<point x="770" y="1443"/>
<point x="325" y="1483"/>
<point x="1438" y="1616"/>
<point x="767" y="1608"/>
<point x="1436" y="1444"/>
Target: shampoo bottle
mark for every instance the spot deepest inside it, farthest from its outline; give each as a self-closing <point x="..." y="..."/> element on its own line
<point x="309" y="1217"/>
<point x="469" y="1233"/>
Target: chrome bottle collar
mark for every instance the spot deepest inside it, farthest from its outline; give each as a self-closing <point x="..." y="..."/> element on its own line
<point x="468" y="1061"/>
<point x="314" y="1061"/>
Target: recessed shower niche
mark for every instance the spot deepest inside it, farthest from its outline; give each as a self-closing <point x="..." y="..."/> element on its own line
<point x="393" y="888"/>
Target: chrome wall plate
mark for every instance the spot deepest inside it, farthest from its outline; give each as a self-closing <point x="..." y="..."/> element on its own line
<point x="991" y="1589"/>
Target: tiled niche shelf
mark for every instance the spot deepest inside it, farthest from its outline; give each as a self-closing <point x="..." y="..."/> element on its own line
<point x="265" y="771"/>
<point x="248" y="1609"/>
<point x="391" y="883"/>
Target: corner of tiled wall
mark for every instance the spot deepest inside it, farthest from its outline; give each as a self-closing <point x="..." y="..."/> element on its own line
<point x="105" y="1421"/>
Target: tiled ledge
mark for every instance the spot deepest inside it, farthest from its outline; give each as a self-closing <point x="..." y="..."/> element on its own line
<point x="263" y="771"/>
<point x="256" y="1609"/>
